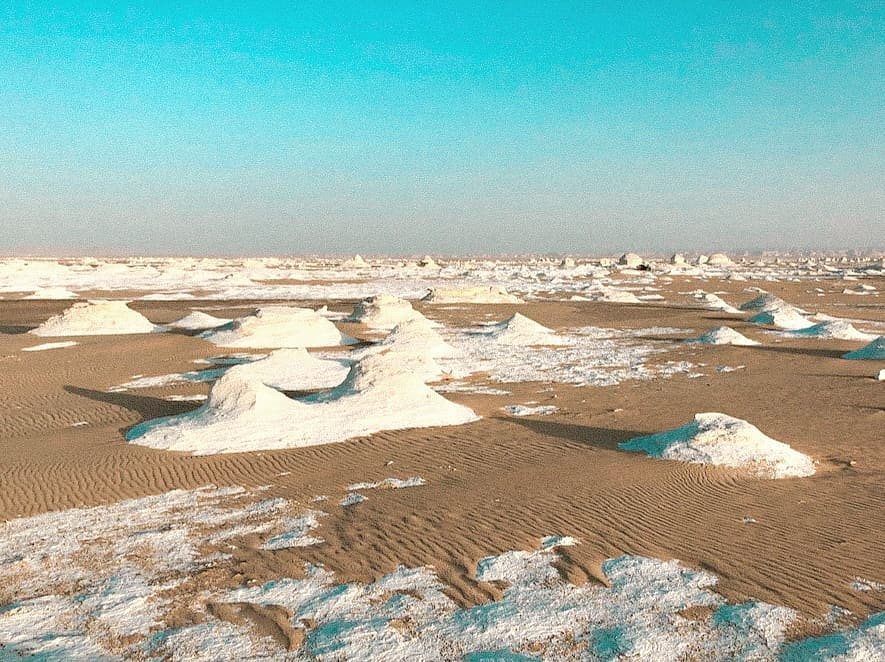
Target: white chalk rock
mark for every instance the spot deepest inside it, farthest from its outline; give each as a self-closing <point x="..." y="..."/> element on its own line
<point x="719" y="439"/>
<point x="279" y="326"/>
<point x="96" y="318"/>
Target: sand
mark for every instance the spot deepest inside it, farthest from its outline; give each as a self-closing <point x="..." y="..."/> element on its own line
<point x="492" y="487"/>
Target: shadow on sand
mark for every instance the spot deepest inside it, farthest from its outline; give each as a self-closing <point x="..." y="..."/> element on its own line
<point x="145" y="406"/>
<point x="588" y="435"/>
<point x="802" y="351"/>
<point x="15" y="329"/>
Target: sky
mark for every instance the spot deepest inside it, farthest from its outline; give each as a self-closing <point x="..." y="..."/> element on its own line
<point x="445" y="128"/>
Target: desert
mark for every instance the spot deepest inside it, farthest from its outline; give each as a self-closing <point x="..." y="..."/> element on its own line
<point x="415" y="478"/>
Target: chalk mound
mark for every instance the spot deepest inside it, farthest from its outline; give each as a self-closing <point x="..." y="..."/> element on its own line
<point x="383" y="312"/>
<point x="723" y="335"/>
<point x="388" y="365"/>
<point x="838" y="329"/>
<point x="630" y="260"/>
<point x="720" y="439"/>
<point x="714" y="302"/>
<point x="412" y="347"/>
<point x="279" y="326"/>
<point x="199" y="321"/>
<point x="294" y="370"/>
<point x="788" y="317"/>
<point x="875" y="351"/>
<point x="471" y="295"/>
<point x="774" y="311"/>
<point x="242" y="414"/>
<point x="764" y="302"/>
<point x="96" y="318"/>
<point x="55" y="293"/>
<point x="428" y="262"/>
<point x="719" y="260"/>
<point x="860" y="288"/>
<point x="419" y="336"/>
<point x="613" y="295"/>
<point x="520" y="330"/>
<point x="355" y="262"/>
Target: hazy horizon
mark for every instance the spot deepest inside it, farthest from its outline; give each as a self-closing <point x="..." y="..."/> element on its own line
<point x="391" y="129"/>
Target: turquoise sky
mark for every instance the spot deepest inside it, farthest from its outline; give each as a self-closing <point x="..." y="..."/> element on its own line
<point x="465" y="127"/>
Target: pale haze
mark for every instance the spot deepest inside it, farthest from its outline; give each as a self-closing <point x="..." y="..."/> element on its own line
<point x="395" y="129"/>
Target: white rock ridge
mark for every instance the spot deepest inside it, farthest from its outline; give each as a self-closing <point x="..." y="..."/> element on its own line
<point x="53" y="293"/>
<point x="243" y="414"/>
<point x="471" y="295"/>
<point x="49" y="345"/>
<point x="719" y="439"/>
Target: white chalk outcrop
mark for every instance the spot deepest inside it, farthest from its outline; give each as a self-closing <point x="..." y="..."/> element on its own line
<point x="860" y="288"/>
<point x="96" y="318"/>
<point x="356" y="262"/>
<point x="723" y="335"/>
<point x="520" y="330"/>
<point x="383" y="312"/>
<point x="294" y="369"/>
<point x="50" y="345"/>
<point x="785" y="318"/>
<point x="837" y="329"/>
<point x="719" y="260"/>
<point x="719" y="439"/>
<point x="52" y="293"/>
<point x="413" y="346"/>
<point x="428" y="262"/>
<point x="714" y="302"/>
<point x="774" y="311"/>
<point x="198" y="321"/>
<point x="418" y="335"/>
<point x="279" y="326"/>
<point x="487" y="294"/>
<point x="765" y="301"/>
<point x="875" y="351"/>
<point x="630" y="260"/>
<point x="242" y="414"/>
<point x="612" y="295"/>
